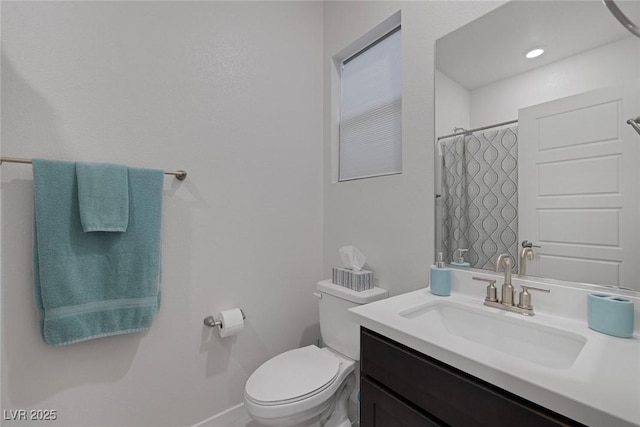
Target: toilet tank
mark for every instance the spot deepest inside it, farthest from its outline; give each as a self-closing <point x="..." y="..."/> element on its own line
<point x="338" y="331"/>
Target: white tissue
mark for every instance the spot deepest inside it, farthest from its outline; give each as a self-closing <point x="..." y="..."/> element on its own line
<point x="352" y="258"/>
<point x="232" y="322"/>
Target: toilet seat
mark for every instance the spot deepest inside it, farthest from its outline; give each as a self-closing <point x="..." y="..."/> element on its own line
<point x="292" y="376"/>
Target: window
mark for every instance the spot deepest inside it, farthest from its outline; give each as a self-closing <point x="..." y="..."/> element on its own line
<point x="370" y="128"/>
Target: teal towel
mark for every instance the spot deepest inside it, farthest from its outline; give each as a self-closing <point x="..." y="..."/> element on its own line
<point x="103" y="195"/>
<point x="90" y="285"/>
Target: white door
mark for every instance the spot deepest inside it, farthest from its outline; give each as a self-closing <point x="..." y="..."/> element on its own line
<point x="578" y="186"/>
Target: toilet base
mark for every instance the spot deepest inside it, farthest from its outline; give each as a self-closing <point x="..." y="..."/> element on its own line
<point x="339" y="413"/>
<point x="333" y="414"/>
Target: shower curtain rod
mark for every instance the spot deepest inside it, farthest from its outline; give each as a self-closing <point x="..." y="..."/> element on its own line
<point x="180" y="175"/>
<point x="468" y="132"/>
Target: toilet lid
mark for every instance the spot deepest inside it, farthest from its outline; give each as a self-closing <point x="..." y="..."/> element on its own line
<point x="292" y="375"/>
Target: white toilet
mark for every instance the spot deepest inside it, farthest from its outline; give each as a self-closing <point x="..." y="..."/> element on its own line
<point x="310" y="386"/>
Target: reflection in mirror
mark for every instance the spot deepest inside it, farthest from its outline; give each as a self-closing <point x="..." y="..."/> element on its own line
<point x="539" y="149"/>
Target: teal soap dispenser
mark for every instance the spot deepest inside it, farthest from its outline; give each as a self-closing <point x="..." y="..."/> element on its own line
<point x="440" y="278"/>
<point x="459" y="258"/>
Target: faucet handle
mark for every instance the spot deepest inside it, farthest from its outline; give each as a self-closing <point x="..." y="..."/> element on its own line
<point x="528" y="244"/>
<point x="492" y="293"/>
<point x="525" y="296"/>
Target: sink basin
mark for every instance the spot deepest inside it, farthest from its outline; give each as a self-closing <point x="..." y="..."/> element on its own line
<point x="522" y="338"/>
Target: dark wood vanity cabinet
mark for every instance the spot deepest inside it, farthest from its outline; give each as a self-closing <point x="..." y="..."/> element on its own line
<point x="401" y="387"/>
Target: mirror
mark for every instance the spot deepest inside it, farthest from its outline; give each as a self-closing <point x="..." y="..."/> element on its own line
<point x="539" y="150"/>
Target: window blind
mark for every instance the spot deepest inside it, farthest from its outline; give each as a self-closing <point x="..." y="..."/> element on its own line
<point x="371" y="111"/>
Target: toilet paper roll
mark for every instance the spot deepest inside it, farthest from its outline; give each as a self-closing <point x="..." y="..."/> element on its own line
<point x="232" y="322"/>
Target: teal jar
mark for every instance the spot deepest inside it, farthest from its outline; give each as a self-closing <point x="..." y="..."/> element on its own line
<point x="611" y="315"/>
<point x="440" y="278"/>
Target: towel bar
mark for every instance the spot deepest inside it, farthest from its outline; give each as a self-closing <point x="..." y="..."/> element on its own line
<point x="180" y="174"/>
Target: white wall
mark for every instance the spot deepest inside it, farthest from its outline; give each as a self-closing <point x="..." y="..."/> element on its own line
<point x="452" y="109"/>
<point x="230" y="92"/>
<point x="1" y="209"/>
<point x="390" y="218"/>
<point x="601" y="67"/>
<point x="453" y="105"/>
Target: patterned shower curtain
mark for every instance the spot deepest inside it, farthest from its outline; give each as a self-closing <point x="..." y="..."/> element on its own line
<point x="480" y="196"/>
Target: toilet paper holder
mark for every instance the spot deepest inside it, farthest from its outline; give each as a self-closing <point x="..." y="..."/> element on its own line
<point x="212" y="322"/>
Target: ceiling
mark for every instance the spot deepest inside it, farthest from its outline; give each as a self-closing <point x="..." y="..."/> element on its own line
<point x="492" y="47"/>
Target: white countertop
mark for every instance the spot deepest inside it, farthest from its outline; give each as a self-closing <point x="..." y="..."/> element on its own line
<point x="602" y="386"/>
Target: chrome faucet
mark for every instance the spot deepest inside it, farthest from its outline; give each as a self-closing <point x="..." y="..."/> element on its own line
<point x="505" y="262"/>
<point x="525" y="254"/>
<point x="524" y="306"/>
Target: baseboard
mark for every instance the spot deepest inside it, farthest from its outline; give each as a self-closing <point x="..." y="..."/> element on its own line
<point x="235" y="417"/>
<point x="226" y="418"/>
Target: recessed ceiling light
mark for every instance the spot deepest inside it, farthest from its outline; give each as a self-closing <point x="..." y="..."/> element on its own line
<point x="534" y="53"/>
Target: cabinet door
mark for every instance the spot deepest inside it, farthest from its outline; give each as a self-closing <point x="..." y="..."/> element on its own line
<point x="443" y="392"/>
<point x="381" y="409"/>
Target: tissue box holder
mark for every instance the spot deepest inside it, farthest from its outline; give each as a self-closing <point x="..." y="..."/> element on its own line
<point x="611" y="315"/>
<point x="356" y="280"/>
